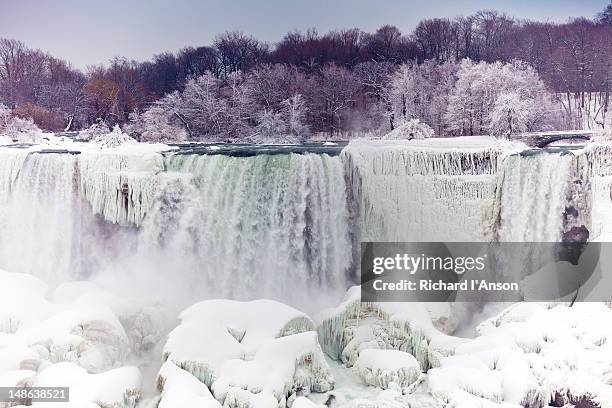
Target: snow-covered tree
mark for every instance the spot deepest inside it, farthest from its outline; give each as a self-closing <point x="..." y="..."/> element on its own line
<point x="157" y="124"/>
<point x="211" y="109"/>
<point x="478" y="87"/>
<point x="511" y="114"/>
<point x="294" y="113"/>
<point x="115" y="138"/>
<point x="23" y="130"/>
<point x="410" y="129"/>
<point x="420" y="91"/>
<point x="99" y="128"/>
<point x="5" y="117"/>
<point x="271" y="128"/>
<point x="14" y="128"/>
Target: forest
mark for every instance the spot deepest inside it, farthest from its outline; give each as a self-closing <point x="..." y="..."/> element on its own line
<point x="486" y="73"/>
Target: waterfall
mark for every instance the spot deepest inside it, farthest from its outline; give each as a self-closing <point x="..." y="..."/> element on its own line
<point x="41" y="215"/>
<point x="283" y="226"/>
<point x="273" y="226"/>
<point x="533" y="194"/>
<point x="267" y="225"/>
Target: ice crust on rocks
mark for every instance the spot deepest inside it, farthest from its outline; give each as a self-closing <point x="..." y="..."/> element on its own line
<point x="354" y="326"/>
<point x="425" y="190"/>
<point x="179" y="388"/>
<point x="250" y="354"/>
<point x="381" y="368"/>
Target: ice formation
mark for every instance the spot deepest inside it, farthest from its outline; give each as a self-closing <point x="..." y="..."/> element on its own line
<point x="383" y="368"/>
<point x="250" y="354"/>
<point x="354" y="326"/>
<point x="418" y="191"/>
<point x="120" y="185"/>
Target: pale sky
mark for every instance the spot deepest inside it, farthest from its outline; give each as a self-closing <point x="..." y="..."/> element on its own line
<point x="91" y="32"/>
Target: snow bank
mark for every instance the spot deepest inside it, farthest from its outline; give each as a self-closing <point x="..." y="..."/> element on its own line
<point x="249" y="353"/>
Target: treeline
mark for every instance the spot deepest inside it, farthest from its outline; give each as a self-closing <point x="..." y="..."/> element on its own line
<point x="335" y="83"/>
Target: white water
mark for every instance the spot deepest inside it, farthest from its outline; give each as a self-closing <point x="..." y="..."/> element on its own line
<point x="40" y="223"/>
<point x="274" y="226"/>
<point x="533" y="196"/>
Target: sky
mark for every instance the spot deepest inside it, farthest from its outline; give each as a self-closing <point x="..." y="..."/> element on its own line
<point x="87" y="32"/>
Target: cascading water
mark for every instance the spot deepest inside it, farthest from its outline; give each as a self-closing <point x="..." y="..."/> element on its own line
<point x="41" y="215"/>
<point x="271" y="226"/>
<point x="267" y="225"/>
<point x="533" y="194"/>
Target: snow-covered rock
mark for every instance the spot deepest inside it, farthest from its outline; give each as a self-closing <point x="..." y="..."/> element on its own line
<point x="179" y="388"/>
<point x="83" y="332"/>
<point x="530" y="355"/>
<point x="354" y="326"/>
<point x="380" y="368"/>
<point x="303" y="402"/>
<point x="118" y="388"/>
<point x="250" y="354"/>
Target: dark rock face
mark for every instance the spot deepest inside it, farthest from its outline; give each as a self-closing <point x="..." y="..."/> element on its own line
<point x="576" y="234"/>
